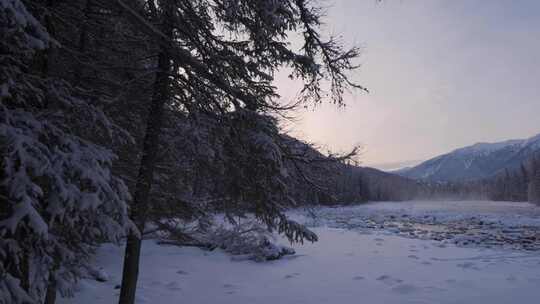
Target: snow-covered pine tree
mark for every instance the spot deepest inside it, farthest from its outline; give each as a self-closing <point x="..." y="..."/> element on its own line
<point x="59" y="199"/>
<point x="222" y="57"/>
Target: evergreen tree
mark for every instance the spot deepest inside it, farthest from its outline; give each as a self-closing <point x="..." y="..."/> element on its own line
<point x="218" y="58"/>
<point x="59" y="198"/>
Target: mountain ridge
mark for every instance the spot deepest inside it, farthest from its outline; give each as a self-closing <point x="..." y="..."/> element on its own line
<point x="477" y="161"/>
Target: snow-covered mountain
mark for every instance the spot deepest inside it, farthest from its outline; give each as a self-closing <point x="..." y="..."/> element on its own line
<point x="474" y="162"/>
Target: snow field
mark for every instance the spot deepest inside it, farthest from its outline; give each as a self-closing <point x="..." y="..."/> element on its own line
<point x="343" y="267"/>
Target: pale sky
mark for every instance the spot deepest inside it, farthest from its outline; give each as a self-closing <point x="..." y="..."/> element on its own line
<point x="442" y="75"/>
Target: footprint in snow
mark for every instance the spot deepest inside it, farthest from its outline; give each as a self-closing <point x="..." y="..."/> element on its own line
<point x="463" y="284"/>
<point x="173" y="285"/>
<point x="229" y="286"/>
<point x="378" y="240"/>
<point x="425" y="263"/>
<point x="358" y="278"/>
<point x="292" y="275"/>
<point x="412" y="256"/>
<point x="388" y="280"/>
<point x="182" y="272"/>
<point x="511" y="278"/>
<point x="434" y="289"/>
<point x="468" y="265"/>
<point x="405" y="289"/>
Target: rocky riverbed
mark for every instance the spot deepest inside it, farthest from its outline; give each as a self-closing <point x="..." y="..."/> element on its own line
<point x="486" y="224"/>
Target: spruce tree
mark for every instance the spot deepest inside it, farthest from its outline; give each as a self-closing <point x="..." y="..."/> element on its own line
<point x="59" y="199"/>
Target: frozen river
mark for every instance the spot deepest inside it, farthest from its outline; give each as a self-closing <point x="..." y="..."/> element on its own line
<point x="464" y="223"/>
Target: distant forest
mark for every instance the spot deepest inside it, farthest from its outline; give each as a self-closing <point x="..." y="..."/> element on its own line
<point x="349" y="184"/>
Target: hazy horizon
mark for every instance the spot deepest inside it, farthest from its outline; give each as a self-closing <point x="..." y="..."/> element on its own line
<point x="441" y="74"/>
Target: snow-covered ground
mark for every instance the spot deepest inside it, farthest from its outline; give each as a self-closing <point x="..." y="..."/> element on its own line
<point x="351" y="263"/>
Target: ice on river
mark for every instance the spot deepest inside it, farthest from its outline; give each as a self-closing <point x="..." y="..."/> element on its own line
<point x="349" y="264"/>
<point x="465" y="223"/>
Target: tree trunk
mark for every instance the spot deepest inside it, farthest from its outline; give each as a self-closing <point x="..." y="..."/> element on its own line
<point x="50" y="297"/>
<point x="130" y="273"/>
<point x="534" y="188"/>
<point x="25" y="270"/>
<point x="144" y="180"/>
<point x="83" y="37"/>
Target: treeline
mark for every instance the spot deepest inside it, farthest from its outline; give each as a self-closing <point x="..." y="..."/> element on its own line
<point x="119" y="115"/>
<point x="341" y="183"/>
<point x="518" y="184"/>
<point x="353" y="184"/>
